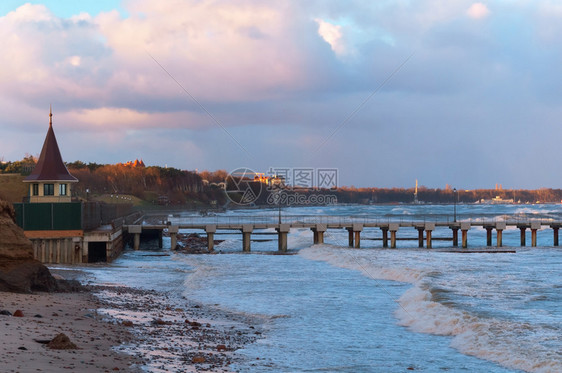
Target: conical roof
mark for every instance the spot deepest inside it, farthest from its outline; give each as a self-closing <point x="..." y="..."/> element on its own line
<point x="50" y="166"/>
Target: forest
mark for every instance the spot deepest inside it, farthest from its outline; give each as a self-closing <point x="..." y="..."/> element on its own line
<point x="170" y="186"/>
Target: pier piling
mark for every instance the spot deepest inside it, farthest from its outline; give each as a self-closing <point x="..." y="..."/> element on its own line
<point x="282" y="232"/>
<point x="136" y="231"/>
<point x="535" y="226"/>
<point x="384" y="236"/>
<point x="173" y="231"/>
<point x="393" y="228"/>
<point x="429" y="227"/>
<point x="246" y="237"/>
<point x="500" y="226"/>
<point x="420" y="235"/>
<point x="489" y="229"/>
<point x="523" y="228"/>
<point x="318" y="232"/>
<point x="357" y="228"/>
<point x="555" y="229"/>
<point x="350" y="236"/>
<point x="465" y="227"/>
<point x="211" y="230"/>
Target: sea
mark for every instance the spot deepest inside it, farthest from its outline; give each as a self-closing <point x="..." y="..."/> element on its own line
<point x="331" y="308"/>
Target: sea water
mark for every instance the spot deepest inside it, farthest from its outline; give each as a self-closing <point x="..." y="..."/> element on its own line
<point x="329" y="308"/>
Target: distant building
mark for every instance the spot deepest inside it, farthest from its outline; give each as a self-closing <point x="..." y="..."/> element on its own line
<point x="135" y="164"/>
<point x="50" y="180"/>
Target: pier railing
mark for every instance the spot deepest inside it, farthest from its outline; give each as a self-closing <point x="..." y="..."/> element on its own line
<point x="404" y="220"/>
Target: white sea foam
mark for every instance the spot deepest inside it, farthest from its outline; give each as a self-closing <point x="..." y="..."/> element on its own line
<point x="511" y="343"/>
<point x="361" y="261"/>
<point x="401" y="210"/>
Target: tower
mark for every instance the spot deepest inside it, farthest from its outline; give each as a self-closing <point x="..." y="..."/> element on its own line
<point x="50" y="180"/>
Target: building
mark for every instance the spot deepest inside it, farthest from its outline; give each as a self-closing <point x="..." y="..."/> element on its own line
<point x="50" y="180"/>
<point x="63" y="229"/>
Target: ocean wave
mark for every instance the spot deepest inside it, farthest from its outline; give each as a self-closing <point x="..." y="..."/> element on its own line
<point x="427" y="308"/>
<point x="512" y="344"/>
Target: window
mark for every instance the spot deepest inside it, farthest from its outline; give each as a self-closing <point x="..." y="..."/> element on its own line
<point x="49" y="189"/>
<point x="62" y="190"/>
<point x="35" y="191"/>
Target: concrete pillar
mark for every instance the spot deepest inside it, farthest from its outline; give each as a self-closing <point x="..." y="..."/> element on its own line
<point x="499" y="235"/>
<point x="135" y="230"/>
<point x="246" y="237"/>
<point x="420" y="237"/>
<point x="555" y="230"/>
<point x="384" y="236"/>
<point x="210" y="241"/>
<point x="455" y="237"/>
<point x="282" y="232"/>
<point x="357" y="228"/>
<point x="489" y="235"/>
<point x="465" y="227"/>
<point x="173" y="240"/>
<point x="211" y="230"/>
<point x="523" y="228"/>
<point x="282" y="242"/>
<point x="357" y="239"/>
<point x="393" y="228"/>
<point x="500" y="226"/>
<point x="320" y="237"/>
<point x="535" y="226"/>
<point x="429" y="227"/>
<point x="350" y="236"/>
<point x="173" y="231"/>
<point x="318" y="232"/>
<point x="136" y="241"/>
<point x="314" y="236"/>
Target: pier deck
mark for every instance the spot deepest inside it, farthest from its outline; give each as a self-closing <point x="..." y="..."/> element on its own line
<point x="425" y="225"/>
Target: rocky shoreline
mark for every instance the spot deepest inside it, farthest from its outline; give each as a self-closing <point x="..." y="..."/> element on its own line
<point x="176" y="334"/>
<point x="193" y="243"/>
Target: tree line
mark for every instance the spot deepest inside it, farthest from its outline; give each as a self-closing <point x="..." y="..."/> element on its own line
<point x="173" y="186"/>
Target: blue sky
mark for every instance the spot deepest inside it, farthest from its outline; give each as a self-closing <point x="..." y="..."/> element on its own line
<point x="464" y="93"/>
<point x="66" y="8"/>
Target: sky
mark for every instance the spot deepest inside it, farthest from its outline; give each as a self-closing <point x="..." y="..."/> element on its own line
<point x="458" y="92"/>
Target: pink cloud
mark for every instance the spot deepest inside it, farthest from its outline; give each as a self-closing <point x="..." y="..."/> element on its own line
<point x="478" y="11"/>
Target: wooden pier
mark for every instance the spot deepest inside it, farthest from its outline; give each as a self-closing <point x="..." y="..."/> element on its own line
<point x="319" y="225"/>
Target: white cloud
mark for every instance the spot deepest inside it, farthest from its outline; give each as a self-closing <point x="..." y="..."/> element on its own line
<point x="478" y="11"/>
<point x="332" y="34"/>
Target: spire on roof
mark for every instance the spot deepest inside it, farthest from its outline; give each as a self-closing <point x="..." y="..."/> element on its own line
<point x="50" y="166"/>
<point x="50" y="115"/>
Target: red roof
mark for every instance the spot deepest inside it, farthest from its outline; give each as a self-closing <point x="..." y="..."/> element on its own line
<point x="50" y="166"/>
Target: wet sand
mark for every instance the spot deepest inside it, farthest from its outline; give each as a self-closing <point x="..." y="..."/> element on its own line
<point x="174" y="334"/>
<point x="120" y="329"/>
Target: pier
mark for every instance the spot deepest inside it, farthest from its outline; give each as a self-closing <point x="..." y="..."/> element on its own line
<point x="390" y="229"/>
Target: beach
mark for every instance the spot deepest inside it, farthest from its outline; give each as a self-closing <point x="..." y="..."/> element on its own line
<point x="118" y="329"/>
<point x="45" y="315"/>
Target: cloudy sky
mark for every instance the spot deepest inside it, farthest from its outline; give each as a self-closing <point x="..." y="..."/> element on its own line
<point x="448" y="92"/>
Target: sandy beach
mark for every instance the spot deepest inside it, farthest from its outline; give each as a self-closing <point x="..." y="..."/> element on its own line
<point x="175" y="334"/>
<point x="118" y="329"/>
<point x="44" y="316"/>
